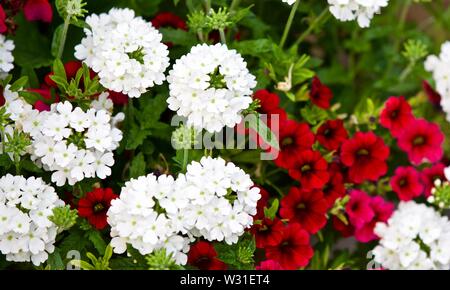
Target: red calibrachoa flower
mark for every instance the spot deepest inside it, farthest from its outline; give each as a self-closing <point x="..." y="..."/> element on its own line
<point x="261" y="204"/>
<point x="3" y="27"/>
<point x="433" y="96"/>
<point x="396" y="115"/>
<point x="45" y="93"/>
<point x="294" y="138"/>
<point x="346" y="230"/>
<point x="406" y="183"/>
<point x="294" y="251"/>
<point x="430" y="175"/>
<point x="95" y="205"/>
<point x="310" y="168"/>
<point x="422" y="141"/>
<point x="269" y="265"/>
<point x="332" y="134"/>
<point x="320" y="94"/>
<point x="382" y="212"/>
<point x="358" y="208"/>
<point x="267" y="232"/>
<point x="38" y="10"/>
<point x="365" y="155"/>
<point x="168" y="19"/>
<point x="307" y="208"/>
<point x="335" y="187"/>
<point x="203" y="256"/>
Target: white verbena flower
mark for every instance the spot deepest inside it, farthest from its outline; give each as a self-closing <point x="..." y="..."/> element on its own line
<point x="26" y="233"/>
<point x="126" y="51"/>
<point x="210" y="86"/>
<point x="361" y="10"/>
<point x="6" y="57"/>
<point x="415" y="237"/>
<point x="72" y="143"/>
<point x="439" y="66"/>
<point x="214" y="200"/>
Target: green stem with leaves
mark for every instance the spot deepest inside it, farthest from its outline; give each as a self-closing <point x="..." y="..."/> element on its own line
<point x="223" y="38"/>
<point x="63" y="36"/>
<point x="185" y="159"/>
<point x="234" y="5"/>
<point x="323" y="16"/>
<point x="287" y="28"/>
<point x="2" y="136"/>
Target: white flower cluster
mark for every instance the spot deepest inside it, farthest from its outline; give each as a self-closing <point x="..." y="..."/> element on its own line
<point x="210" y="86"/>
<point x="214" y="200"/>
<point x="290" y="2"/>
<point x="126" y="51"/>
<point x="440" y="67"/>
<point x="415" y="237"/>
<point x="6" y="57"/>
<point x="361" y="10"/>
<point x="72" y="143"/>
<point x="26" y="233"/>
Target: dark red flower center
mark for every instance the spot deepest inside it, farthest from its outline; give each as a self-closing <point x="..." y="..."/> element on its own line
<point x="403" y="182"/>
<point x="301" y="206"/>
<point x="328" y="133"/>
<point x="355" y="206"/>
<point x="363" y="152"/>
<point x="287" y="141"/>
<point x="394" y="114"/>
<point x="203" y="262"/>
<point x="98" y="207"/>
<point x="306" y="168"/>
<point x="419" y="140"/>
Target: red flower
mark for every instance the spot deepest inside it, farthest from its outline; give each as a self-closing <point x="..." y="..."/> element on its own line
<point x="335" y="187"/>
<point x="308" y="208"/>
<point x="71" y="68"/>
<point x="433" y="96"/>
<point x="396" y="115"/>
<point x="294" y="251"/>
<point x="346" y="230"/>
<point x="358" y="208"/>
<point x="332" y="134"/>
<point x="269" y="265"/>
<point x="203" y="256"/>
<point x="118" y="98"/>
<point x="294" y="137"/>
<point x="310" y="168"/>
<point x="382" y="212"/>
<point x="38" y="10"/>
<point x="422" y="141"/>
<point x="168" y="19"/>
<point x="430" y="174"/>
<point x="3" y="27"/>
<point x="261" y="204"/>
<point x="365" y="155"/>
<point x="406" y="183"/>
<point x="42" y="105"/>
<point x="95" y="205"/>
<point x="320" y="94"/>
<point x="267" y="232"/>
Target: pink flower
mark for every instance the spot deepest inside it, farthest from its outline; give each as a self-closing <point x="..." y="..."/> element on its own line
<point x="358" y="208"/>
<point x="422" y="141"/>
<point x="3" y="27"/>
<point x="38" y="10"/>
<point x="382" y="212"/>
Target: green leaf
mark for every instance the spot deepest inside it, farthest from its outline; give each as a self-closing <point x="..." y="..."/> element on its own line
<point x="135" y="136"/>
<point x="33" y="81"/>
<point x="57" y="38"/>
<point x="313" y="115"/>
<point x="30" y="97"/>
<point x="32" y="49"/>
<point x="265" y="133"/>
<point x="255" y="48"/>
<point x="97" y="240"/>
<point x="178" y="36"/>
<point x="55" y="261"/>
<point x="272" y="211"/>
<point x="19" y="84"/>
<point x="138" y="165"/>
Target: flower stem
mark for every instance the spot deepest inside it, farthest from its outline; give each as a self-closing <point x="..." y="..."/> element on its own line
<point x="63" y="36"/>
<point x="234" y="5"/>
<point x="185" y="159"/>
<point x="223" y="38"/>
<point x="287" y="28"/>
<point x="324" y="15"/>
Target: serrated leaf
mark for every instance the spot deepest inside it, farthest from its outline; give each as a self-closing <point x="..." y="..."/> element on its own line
<point x="55" y="260"/>
<point x="97" y="240"/>
<point x="138" y="165"/>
